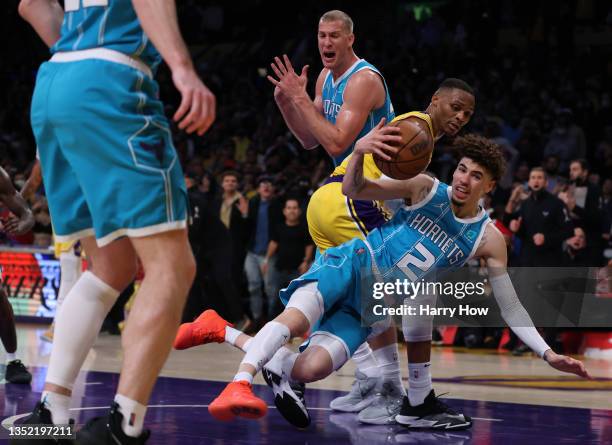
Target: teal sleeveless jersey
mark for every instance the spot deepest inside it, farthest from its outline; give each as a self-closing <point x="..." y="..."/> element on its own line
<point x="426" y="236"/>
<point x="333" y="98"/>
<point x="111" y="24"/>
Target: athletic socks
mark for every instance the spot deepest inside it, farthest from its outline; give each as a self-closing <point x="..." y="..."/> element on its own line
<point x="10" y="356"/>
<point x="387" y="358"/>
<point x="365" y="361"/>
<point x="244" y="376"/>
<point x="419" y="382"/>
<point x="133" y="415"/>
<point x="59" y="405"/>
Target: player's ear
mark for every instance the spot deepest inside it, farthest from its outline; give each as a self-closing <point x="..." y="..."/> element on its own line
<point x="351" y="39"/>
<point x="490" y="186"/>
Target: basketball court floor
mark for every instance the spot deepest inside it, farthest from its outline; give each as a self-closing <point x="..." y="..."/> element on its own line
<point x="517" y="400"/>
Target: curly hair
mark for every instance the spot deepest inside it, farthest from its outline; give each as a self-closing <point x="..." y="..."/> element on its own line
<point x="482" y="151"/>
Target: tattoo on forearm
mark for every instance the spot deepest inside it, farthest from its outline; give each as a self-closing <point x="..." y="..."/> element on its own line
<point x="358" y="181"/>
<point x="423" y="193"/>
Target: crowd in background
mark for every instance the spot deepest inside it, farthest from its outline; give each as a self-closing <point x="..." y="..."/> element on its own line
<point x="542" y="73"/>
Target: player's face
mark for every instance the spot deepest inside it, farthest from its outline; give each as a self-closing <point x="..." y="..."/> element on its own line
<point x="537" y="180"/>
<point x="335" y="43"/>
<point x="470" y="183"/>
<point x="229" y="184"/>
<point x="292" y="210"/>
<point x="453" y="109"/>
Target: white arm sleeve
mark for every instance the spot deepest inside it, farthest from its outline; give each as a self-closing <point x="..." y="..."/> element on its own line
<point x="515" y="315"/>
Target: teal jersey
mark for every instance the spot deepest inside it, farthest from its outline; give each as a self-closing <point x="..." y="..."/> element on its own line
<point x="333" y="98"/>
<point x="426" y="236"/>
<point x="110" y="24"/>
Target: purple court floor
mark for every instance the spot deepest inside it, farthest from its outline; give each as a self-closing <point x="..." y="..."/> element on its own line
<point x="178" y="415"/>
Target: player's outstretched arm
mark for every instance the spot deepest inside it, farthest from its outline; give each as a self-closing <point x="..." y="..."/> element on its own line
<point x="198" y="105"/>
<point x="493" y="248"/>
<point x="382" y="141"/>
<point x="364" y="92"/>
<point x="45" y="16"/>
<point x="17" y="205"/>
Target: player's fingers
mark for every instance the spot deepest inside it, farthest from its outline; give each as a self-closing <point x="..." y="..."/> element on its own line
<point x="184" y="106"/>
<point x="288" y="63"/>
<point x="280" y="65"/>
<point x="191" y="118"/>
<point x="389" y="149"/>
<point x="381" y="152"/>
<point x="305" y="71"/>
<point x="273" y="80"/>
<point x="277" y="71"/>
<point x="391" y="138"/>
<point x="390" y="129"/>
<point x="210" y="113"/>
<point x="381" y="123"/>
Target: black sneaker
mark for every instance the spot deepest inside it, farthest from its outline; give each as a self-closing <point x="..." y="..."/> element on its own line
<point x="16" y="372"/>
<point x="106" y="430"/>
<point x="40" y="416"/>
<point x="288" y="398"/>
<point x="432" y="413"/>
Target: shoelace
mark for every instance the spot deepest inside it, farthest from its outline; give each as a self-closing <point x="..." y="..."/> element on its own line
<point x="19" y="364"/>
<point x="443" y="407"/>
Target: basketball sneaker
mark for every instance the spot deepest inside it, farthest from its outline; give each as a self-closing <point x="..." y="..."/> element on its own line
<point x="40" y="416"/>
<point x="432" y="413"/>
<point x="361" y="395"/>
<point x="106" y="430"/>
<point x="288" y="397"/>
<point x="237" y="399"/>
<point x="385" y="407"/>
<point x="207" y="328"/>
<point x="16" y="372"/>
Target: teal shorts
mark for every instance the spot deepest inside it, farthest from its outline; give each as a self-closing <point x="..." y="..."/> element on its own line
<point x="108" y="162"/>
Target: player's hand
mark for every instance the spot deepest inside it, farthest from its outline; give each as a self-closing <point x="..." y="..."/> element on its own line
<point x="287" y="82"/>
<point x="538" y="239"/>
<point x="264" y="268"/>
<point x="378" y="141"/>
<point x="198" y="105"/>
<point x="566" y="364"/>
<point x="18" y="226"/>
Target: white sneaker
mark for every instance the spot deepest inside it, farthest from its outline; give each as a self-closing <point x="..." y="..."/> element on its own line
<point x="386" y="406"/>
<point x="361" y="395"/>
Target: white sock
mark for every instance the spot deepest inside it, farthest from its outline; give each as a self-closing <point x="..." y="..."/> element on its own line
<point x="365" y="361"/>
<point x="245" y="346"/>
<point x="76" y="327"/>
<point x="59" y="405"/>
<point x="133" y="415"/>
<point x="387" y="358"/>
<point x="419" y="382"/>
<point x="10" y="356"/>
<point x="231" y="335"/>
<point x="264" y="345"/>
<point x="244" y="376"/>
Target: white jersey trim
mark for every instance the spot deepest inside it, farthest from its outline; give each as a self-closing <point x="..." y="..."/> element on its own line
<point x="107" y="54"/>
<point x="336" y="82"/>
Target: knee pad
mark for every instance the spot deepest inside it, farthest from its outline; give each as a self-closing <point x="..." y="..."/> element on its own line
<point x="418" y="327"/>
<point x="334" y="347"/>
<point x="309" y="301"/>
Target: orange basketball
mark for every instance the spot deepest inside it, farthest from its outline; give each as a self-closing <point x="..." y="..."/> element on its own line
<point x="414" y="155"/>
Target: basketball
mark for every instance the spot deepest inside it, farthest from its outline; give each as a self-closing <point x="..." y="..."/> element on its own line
<point x="413" y="157"/>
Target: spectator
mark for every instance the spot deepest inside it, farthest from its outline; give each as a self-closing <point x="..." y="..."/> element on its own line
<point x="263" y="212"/>
<point x="555" y="182"/>
<point x="290" y="252"/>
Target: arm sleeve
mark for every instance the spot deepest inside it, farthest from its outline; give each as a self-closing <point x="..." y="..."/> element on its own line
<point x="515" y="315"/>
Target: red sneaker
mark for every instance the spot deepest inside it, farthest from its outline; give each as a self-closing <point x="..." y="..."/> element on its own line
<point x="207" y="328"/>
<point x="237" y="399"/>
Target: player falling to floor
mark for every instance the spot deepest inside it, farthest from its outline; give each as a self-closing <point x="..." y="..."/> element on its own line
<point x="114" y="182"/>
<point x="18" y="223"/>
<point x="330" y="291"/>
<point x="68" y="253"/>
<point x="351" y="96"/>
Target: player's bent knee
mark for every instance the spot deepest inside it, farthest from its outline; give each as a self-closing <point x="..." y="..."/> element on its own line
<point x="335" y="349"/>
<point x="308" y="301"/>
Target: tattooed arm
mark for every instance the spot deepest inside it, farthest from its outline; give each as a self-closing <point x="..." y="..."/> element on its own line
<point x="356" y="186"/>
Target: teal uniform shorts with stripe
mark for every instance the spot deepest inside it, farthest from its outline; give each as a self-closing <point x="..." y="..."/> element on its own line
<point x="341" y="274"/>
<point x="108" y="162"/>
